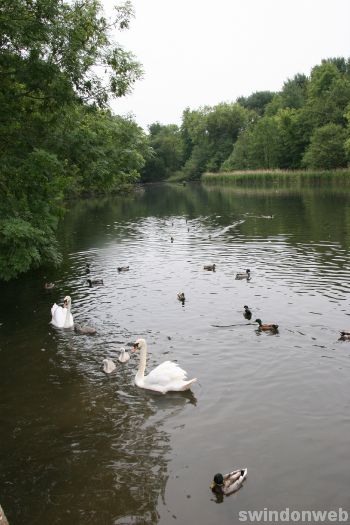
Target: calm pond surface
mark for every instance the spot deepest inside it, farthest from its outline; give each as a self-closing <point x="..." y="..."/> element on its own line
<point x="81" y="447"/>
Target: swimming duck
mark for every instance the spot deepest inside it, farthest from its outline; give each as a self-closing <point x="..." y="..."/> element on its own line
<point x="123" y="268"/>
<point x="87" y="268"/>
<point x="266" y="327"/>
<point x="247" y="312"/>
<point x="229" y="483"/>
<point x="344" y="336"/>
<point x="210" y="267"/>
<point x="245" y="275"/>
<point x="181" y="297"/>
<point x="86" y="330"/>
<point x="93" y="282"/>
<point x="172" y="239"/>
<point x="123" y="356"/>
<point x="49" y="286"/>
<point x="108" y="366"/>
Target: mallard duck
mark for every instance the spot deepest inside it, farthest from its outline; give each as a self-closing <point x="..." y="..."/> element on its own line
<point x="87" y="268"/>
<point x="243" y="275"/>
<point x="181" y="297"/>
<point x="344" y="336"/>
<point x="94" y="282"/>
<point x="49" y="286"/>
<point x="210" y="267"/>
<point x="166" y="377"/>
<point x="108" y="366"/>
<point x="86" y="330"/>
<point x="247" y="312"/>
<point x="266" y="327"/>
<point x="123" y="356"/>
<point x="229" y="483"/>
<point x="123" y="268"/>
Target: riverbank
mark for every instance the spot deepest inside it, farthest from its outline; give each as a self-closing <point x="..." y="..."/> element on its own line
<point x="252" y="177"/>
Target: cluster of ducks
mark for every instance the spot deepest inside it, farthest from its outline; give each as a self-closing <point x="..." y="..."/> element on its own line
<point x="265" y="327"/>
<point x="239" y="275"/>
<point x="166" y="377"/>
<point x="91" y="282"/>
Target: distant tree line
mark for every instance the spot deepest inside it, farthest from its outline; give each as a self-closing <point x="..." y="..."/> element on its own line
<point x="58" y="70"/>
<point x="305" y="125"/>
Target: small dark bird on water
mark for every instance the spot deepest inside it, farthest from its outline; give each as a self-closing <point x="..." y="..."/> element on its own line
<point x="87" y="268"/>
<point x="247" y="312"/>
<point x="181" y="297"/>
<point x="172" y="239"/>
<point x="210" y="267"/>
<point x="85" y="330"/>
<point x="123" y="268"/>
<point x="94" y="282"/>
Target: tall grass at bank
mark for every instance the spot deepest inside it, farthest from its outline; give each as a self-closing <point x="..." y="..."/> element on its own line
<point x="278" y="177"/>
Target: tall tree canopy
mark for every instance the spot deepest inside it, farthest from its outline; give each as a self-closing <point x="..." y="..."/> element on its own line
<point x="168" y="152"/>
<point x="59" y="67"/>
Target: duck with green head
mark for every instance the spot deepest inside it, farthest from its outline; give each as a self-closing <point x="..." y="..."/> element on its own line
<point x="243" y="275"/>
<point x="266" y="327"/>
<point x="228" y="483"/>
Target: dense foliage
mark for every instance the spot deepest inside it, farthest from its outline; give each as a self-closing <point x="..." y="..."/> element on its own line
<point x="58" y="69"/>
<point x="305" y="125"/>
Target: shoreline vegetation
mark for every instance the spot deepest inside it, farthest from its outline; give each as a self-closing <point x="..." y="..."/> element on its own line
<point x="278" y="176"/>
<point x="60" y="139"/>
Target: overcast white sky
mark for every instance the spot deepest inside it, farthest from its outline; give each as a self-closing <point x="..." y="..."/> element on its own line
<point x="196" y="52"/>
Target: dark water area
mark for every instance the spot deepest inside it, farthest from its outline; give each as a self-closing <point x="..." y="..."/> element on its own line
<point x="81" y="447"/>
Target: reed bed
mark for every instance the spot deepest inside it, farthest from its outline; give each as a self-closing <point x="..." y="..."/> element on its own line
<point x="278" y="177"/>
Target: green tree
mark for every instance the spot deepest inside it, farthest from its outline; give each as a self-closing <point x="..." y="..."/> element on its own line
<point x="257" y="101"/>
<point x="326" y="149"/>
<point x="196" y="144"/>
<point x="168" y="152"/>
<point x="52" y="56"/>
<point x="211" y="132"/>
<point x="223" y="124"/>
<point x="328" y="96"/>
<point x="241" y="156"/>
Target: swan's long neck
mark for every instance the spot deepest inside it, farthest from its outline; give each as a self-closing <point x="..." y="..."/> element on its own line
<point x="143" y="358"/>
<point x="66" y="322"/>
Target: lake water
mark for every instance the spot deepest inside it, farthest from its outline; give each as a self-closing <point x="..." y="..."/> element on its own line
<point x="81" y="447"/>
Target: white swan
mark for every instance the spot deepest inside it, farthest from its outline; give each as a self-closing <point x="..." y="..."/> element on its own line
<point x="108" y="366"/>
<point x="61" y="316"/>
<point x="123" y="356"/>
<point x="164" y="378"/>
